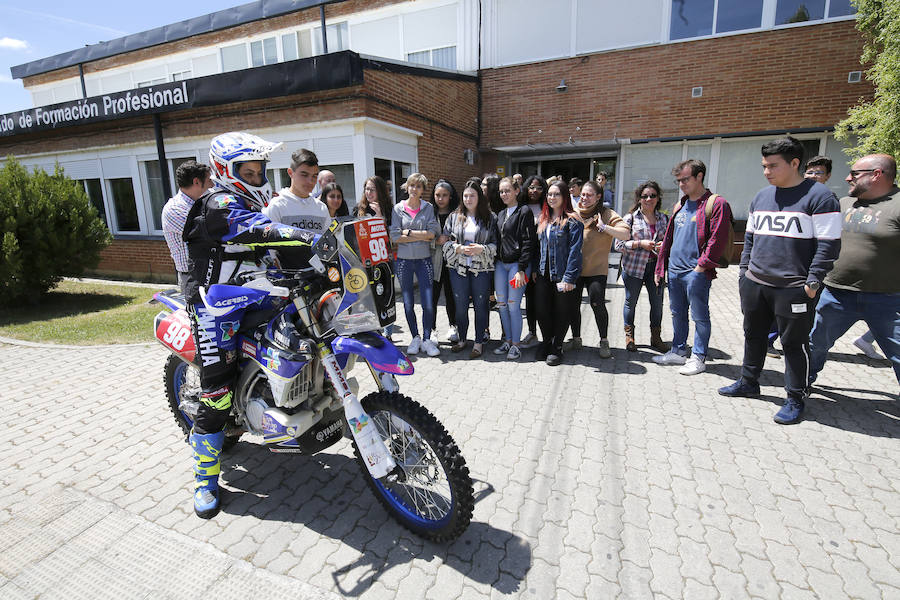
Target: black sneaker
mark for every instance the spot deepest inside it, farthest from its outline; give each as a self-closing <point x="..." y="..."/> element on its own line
<point x="742" y="388"/>
<point x="791" y="412"/>
<point x="554" y="359"/>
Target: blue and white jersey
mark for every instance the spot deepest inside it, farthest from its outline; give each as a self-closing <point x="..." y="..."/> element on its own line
<point x="793" y="235"/>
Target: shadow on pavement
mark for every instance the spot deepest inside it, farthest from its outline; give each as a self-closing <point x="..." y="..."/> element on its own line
<point x="873" y="417"/>
<point x="328" y="494"/>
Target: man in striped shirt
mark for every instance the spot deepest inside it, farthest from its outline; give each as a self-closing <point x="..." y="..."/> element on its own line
<point x="193" y="180"/>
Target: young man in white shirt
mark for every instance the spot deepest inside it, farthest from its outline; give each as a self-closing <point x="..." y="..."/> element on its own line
<point x="295" y="205"/>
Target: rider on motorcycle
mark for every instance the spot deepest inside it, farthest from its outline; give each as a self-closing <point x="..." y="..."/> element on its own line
<point x="225" y="234"/>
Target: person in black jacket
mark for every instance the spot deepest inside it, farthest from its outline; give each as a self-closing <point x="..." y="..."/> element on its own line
<point x="516" y="243"/>
<point x="225" y="233"/>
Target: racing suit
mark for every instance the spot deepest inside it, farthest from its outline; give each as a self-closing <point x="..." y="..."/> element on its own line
<point x="224" y="236"/>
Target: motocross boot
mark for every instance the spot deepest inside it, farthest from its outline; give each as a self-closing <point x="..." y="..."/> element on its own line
<point x="206" y="449"/>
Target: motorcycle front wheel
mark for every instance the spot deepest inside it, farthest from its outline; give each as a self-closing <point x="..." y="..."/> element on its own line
<point x="182" y="383"/>
<point x="430" y="492"/>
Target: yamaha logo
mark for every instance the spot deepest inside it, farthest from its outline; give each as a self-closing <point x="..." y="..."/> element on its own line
<point x="328" y="431"/>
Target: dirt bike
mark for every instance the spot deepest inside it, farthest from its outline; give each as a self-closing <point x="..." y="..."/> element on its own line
<point x="319" y="323"/>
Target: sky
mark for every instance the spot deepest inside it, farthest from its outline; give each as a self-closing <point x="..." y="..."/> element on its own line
<point x="33" y="30"/>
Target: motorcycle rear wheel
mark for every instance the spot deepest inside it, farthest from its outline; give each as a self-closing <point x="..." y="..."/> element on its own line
<point x="182" y="380"/>
<point x="433" y="495"/>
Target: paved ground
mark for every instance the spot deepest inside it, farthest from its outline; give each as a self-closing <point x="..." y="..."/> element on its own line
<point x="596" y="479"/>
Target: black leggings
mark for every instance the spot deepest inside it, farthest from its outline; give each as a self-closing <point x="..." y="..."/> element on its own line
<point x="596" y="287"/>
<point x="531" y="310"/>
<point x="554" y="311"/>
<point x="449" y="302"/>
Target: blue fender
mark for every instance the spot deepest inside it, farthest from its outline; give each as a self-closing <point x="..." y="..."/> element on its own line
<point x="381" y="354"/>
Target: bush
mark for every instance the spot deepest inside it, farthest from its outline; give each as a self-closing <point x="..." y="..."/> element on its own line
<point x="49" y="230"/>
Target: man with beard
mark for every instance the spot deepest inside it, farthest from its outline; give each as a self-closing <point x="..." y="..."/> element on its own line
<point x="865" y="281"/>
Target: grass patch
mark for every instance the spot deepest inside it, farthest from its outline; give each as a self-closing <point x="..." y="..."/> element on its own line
<point x="85" y="314"/>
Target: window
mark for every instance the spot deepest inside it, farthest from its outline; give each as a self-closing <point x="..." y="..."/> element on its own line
<point x="694" y="18"/>
<point x="155" y="191"/>
<point x="181" y="75"/>
<point x="122" y="192"/>
<point x="234" y="57"/>
<point x="840" y="8"/>
<point x="95" y="192"/>
<point x="336" y="35"/>
<point x="797" y="11"/>
<point x="150" y="82"/>
<point x="419" y="58"/>
<point x="264" y="52"/>
<point x="289" y="47"/>
<point x="444" y="58"/>
<point x="394" y="174"/>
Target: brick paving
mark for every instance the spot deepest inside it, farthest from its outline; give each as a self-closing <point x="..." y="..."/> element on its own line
<point x="595" y="479"/>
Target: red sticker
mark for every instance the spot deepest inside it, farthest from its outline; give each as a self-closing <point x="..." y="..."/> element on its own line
<point x="374" y="243"/>
<point x="248" y="349"/>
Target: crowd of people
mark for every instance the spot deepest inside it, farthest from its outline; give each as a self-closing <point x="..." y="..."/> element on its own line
<point x="545" y="242"/>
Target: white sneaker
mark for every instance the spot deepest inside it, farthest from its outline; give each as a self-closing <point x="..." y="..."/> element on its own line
<point x="514" y="353"/>
<point x="453" y="334"/>
<point x="693" y="365"/>
<point x="414" y="346"/>
<point x="502" y="349"/>
<point x="672" y="357"/>
<point x="866" y="348"/>
<point x="431" y="348"/>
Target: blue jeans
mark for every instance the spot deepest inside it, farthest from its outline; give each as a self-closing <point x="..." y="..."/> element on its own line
<point x="477" y="287"/>
<point x="690" y="289"/>
<point x="509" y="299"/>
<point x="655" y="294"/>
<point x="423" y="270"/>
<point x="839" y="309"/>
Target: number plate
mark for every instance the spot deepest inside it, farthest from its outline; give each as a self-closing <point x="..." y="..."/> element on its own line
<point x="174" y="332"/>
<point x="374" y="243"/>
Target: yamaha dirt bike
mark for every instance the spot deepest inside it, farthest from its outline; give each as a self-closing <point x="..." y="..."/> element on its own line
<point x="293" y="391"/>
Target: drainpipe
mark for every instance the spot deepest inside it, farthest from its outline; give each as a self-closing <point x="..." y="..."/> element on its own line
<point x="324" y="35"/>
<point x="161" y="154"/>
<point x="81" y="76"/>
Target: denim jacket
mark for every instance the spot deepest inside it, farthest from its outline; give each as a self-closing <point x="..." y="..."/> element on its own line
<point x="561" y="245"/>
<point x="425" y="220"/>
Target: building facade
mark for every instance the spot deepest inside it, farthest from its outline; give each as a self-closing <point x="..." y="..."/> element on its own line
<point x="450" y="88"/>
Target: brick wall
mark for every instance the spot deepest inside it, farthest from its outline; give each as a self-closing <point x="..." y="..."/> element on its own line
<point x="444" y="110"/>
<point x="784" y="79"/>
<point x="144" y="260"/>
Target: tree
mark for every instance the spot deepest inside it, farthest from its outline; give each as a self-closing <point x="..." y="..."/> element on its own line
<point x="48" y="230"/>
<point x="875" y="125"/>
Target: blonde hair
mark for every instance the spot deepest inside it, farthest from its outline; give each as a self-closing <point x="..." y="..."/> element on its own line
<point x="416" y="178"/>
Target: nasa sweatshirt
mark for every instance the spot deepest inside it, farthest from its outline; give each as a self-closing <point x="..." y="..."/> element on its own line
<point x="793" y="235"/>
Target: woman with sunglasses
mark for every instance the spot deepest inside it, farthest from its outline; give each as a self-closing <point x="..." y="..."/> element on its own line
<point x="648" y="226"/>
<point x="601" y="226"/>
<point x="559" y="265"/>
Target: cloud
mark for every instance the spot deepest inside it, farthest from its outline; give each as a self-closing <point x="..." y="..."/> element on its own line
<point x="13" y="44"/>
<point x="59" y="19"/>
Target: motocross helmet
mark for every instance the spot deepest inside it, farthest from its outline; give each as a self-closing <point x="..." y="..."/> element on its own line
<point x="228" y="151"/>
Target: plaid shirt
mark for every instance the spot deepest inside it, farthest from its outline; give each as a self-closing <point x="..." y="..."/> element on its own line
<point x="635" y="259"/>
<point x="174" y="214"/>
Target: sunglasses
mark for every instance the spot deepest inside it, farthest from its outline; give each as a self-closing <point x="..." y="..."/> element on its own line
<point x="646" y="196"/>
<point x="854" y="173"/>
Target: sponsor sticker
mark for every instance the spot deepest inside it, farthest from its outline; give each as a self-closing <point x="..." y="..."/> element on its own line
<point x="355" y="280"/>
<point x="228" y="329"/>
<point x="333" y="274"/>
<point x="248" y="349"/>
<point x="358" y="424"/>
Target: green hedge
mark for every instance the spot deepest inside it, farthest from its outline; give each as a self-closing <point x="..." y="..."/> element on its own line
<point x="49" y="230"/>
